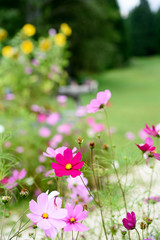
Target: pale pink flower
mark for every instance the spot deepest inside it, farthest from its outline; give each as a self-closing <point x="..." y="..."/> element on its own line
<point x="9" y="96"/>
<point x="142" y="134"/>
<point x="81" y="111"/>
<point x="61" y="99"/>
<point x="53" y="118"/>
<point x="42" y="158"/>
<point x="96" y="127"/>
<point x="100" y="101"/>
<point x="52" y="32"/>
<point x="80" y="195"/>
<point x="65" y="128"/>
<point x="74" y="217"/>
<point x="36" y="108"/>
<point x="20" y="149"/>
<point x="28" y="70"/>
<point x="44" y="132"/>
<point x="52" y="153"/>
<point x="130" y="136"/>
<point x="7" y="144"/>
<point x="50" y="173"/>
<point x="76" y="182"/>
<point x="40" y="169"/>
<point x="35" y="62"/>
<point x="55" y="140"/>
<point x="12" y="181"/>
<point x="47" y="213"/>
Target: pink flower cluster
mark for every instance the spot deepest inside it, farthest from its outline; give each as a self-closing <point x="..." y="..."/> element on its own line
<point x="12" y="181"/>
<point x="96" y="127"/>
<point x="79" y="192"/>
<point x="48" y="215"/>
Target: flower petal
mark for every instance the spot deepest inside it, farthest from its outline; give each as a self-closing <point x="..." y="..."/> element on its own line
<point x="44" y="224"/>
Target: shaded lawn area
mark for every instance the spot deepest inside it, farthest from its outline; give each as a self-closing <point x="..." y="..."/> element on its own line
<point x="135" y="94"/>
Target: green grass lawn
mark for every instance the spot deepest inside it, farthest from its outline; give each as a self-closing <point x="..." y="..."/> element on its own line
<point x="135" y="93"/>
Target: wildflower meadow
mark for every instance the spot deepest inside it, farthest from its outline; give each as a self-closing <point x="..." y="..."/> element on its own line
<point x="69" y="170"/>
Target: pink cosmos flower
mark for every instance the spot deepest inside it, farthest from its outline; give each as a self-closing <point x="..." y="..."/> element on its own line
<point x="81" y="111"/>
<point x="61" y="99"/>
<point x="65" y="128"/>
<point x="154" y="131"/>
<point x="42" y="158"/>
<point x="47" y="213"/>
<point x="55" y="140"/>
<point x="9" y="96"/>
<point x="20" y="149"/>
<point x="67" y="164"/>
<point x="28" y="70"/>
<point x="4" y="181"/>
<point x="52" y="32"/>
<point x="130" y="221"/>
<point x="44" y="132"/>
<point x="52" y="153"/>
<point x="152" y="200"/>
<point x="40" y="169"/>
<point x="41" y="117"/>
<point x="12" y="181"/>
<point x="130" y="136"/>
<point x="74" y="216"/>
<point x="49" y="173"/>
<point x="100" y="101"/>
<point x="53" y="118"/>
<point x="142" y="134"/>
<point x="96" y="127"/>
<point x="36" y="108"/>
<point x="35" y="62"/>
<point x="80" y="195"/>
<point x="7" y="144"/>
<point x="148" y="146"/>
<point x="76" y="182"/>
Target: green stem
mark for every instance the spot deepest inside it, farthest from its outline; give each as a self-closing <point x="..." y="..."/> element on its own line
<point x="116" y="172"/>
<point x="95" y="180"/>
<point x="150" y="187"/>
<point x="2" y="223"/>
<point x="138" y="234"/>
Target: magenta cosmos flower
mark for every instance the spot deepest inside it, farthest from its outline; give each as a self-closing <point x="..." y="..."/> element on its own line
<point x="149" y="150"/>
<point x="45" y="214"/>
<point x="74" y="216"/>
<point x="67" y="164"/>
<point x="130" y="221"/>
<point x="100" y="101"/>
<point x="148" y="146"/>
<point x="154" y="131"/>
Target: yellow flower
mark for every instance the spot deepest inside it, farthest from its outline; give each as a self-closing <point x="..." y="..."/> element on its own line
<point x="65" y="28"/>
<point x="27" y="47"/>
<point x="60" y="39"/>
<point x="3" y="34"/>
<point x="8" y="51"/>
<point x="45" y="44"/>
<point x="29" y="29"/>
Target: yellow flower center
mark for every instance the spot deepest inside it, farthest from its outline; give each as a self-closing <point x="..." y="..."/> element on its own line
<point x="154" y="152"/>
<point x="68" y="166"/>
<point x="72" y="220"/>
<point x="45" y="215"/>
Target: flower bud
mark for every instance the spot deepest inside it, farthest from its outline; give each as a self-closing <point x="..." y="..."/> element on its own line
<point x="79" y="140"/>
<point x="143" y="225"/>
<point x="85" y="206"/>
<point x="105" y="146"/>
<point x="24" y="193"/>
<point x="123" y="233"/>
<point x="92" y="145"/>
<point x="5" y="199"/>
